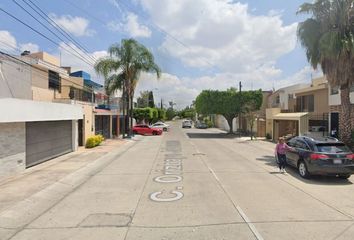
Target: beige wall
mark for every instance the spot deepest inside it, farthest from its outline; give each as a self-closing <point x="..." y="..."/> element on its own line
<point x="39" y="78"/>
<point x="88" y="122"/>
<point x="66" y="83"/>
<point x="320" y="100"/>
<point x="41" y="94"/>
<point x="46" y="57"/>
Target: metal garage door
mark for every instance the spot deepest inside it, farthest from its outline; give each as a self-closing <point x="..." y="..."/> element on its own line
<point x="46" y="140"/>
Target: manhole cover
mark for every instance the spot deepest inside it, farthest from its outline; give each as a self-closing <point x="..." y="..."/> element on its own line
<point x="107" y="220"/>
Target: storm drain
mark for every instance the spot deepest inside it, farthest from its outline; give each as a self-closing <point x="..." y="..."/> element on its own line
<point x="106" y="220"/>
<point x="199" y="154"/>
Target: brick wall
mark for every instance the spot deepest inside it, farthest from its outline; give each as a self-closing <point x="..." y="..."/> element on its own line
<point x="338" y="109"/>
<point x="12" y="148"/>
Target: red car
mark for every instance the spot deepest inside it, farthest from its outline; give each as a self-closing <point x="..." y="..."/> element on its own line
<point x="146" y="130"/>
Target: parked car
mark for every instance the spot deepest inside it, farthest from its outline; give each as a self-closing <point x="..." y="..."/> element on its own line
<point x="201" y="125"/>
<point x="161" y="125"/>
<point x="326" y="156"/>
<point x="187" y="124"/>
<point x="146" y="130"/>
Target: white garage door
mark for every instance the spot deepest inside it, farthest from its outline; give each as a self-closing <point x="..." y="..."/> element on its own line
<point x="46" y="140"/>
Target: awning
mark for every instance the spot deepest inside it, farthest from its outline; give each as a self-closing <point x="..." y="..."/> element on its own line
<point x="20" y="110"/>
<point x="290" y="116"/>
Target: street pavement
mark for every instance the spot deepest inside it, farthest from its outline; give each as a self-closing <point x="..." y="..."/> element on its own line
<point x="185" y="184"/>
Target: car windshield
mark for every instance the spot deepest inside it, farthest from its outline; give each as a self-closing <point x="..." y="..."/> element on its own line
<point x="332" y="148"/>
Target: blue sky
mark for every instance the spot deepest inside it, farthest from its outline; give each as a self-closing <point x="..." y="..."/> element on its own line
<point x="198" y="44"/>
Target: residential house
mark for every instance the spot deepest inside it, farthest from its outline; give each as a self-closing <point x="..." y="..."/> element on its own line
<point x="281" y="116"/>
<point x="33" y="131"/>
<point x="314" y="100"/>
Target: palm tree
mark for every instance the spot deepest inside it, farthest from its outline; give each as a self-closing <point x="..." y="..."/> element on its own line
<point x="122" y="69"/>
<point x="328" y="37"/>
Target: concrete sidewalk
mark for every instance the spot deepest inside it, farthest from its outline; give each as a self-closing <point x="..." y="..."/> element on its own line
<point x="21" y="186"/>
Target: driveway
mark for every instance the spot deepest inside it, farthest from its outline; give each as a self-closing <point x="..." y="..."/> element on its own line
<point x="186" y="184"/>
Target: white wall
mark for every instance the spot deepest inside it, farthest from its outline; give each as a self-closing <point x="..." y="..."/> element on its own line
<point x="284" y="94"/>
<point x="18" y="110"/>
<point x="334" y="100"/>
<point x="15" y="80"/>
<point x="221" y="123"/>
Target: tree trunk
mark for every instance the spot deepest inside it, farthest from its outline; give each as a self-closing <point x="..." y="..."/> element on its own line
<point x="131" y="115"/>
<point x="231" y="123"/>
<point x="345" y="120"/>
<point x="124" y="113"/>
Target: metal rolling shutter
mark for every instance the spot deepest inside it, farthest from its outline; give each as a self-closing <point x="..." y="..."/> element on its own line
<point x="46" y="140"/>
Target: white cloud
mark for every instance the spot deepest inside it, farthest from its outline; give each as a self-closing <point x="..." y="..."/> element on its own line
<point x="221" y="33"/>
<point x="130" y="26"/>
<point x="29" y="47"/>
<point x="78" y="26"/>
<point x="7" y="41"/>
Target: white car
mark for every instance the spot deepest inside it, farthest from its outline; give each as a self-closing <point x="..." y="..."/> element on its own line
<point x="161" y="125"/>
<point x="187" y="124"/>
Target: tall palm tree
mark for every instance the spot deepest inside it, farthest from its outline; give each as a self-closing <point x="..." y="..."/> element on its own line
<point x="328" y="37"/>
<point x="122" y="69"/>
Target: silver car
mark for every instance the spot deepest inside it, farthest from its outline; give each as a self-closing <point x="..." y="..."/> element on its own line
<point x="187" y="124"/>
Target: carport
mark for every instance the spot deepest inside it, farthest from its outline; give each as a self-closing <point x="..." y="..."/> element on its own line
<point x="280" y="124"/>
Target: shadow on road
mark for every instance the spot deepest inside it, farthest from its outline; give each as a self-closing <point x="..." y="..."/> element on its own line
<point x="315" y="180"/>
<point x="212" y="135"/>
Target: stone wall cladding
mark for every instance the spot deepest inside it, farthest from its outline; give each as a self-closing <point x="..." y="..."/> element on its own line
<point x="12" y="148"/>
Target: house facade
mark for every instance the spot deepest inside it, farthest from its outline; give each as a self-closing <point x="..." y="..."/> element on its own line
<point x="33" y="130"/>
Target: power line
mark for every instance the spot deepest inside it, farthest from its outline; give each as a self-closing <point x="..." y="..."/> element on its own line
<point x="41" y="34"/>
<point x="62" y="31"/>
<point x="42" y="24"/>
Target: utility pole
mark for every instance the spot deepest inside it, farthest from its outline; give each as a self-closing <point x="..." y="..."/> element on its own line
<point x="161" y="104"/>
<point x="239" y="115"/>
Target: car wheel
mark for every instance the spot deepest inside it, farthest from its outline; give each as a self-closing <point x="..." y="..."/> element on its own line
<point x="154" y="133"/>
<point x="302" y="169"/>
<point x="135" y="132"/>
<point x="344" y="176"/>
<point x="165" y="129"/>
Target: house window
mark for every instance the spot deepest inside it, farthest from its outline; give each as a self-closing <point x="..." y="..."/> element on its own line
<point x="305" y="103"/>
<point x="277" y="99"/>
<point x="54" y="81"/>
<point x="291" y="96"/>
<point x="334" y="90"/>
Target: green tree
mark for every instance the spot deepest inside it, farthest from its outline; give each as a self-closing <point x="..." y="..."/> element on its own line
<point x="151" y="99"/>
<point x="254" y="100"/>
<point x="143" y="99"/>
<point x="122" y="69"/>
<point x="328" y="38"/>
<point x="228" y="103"/>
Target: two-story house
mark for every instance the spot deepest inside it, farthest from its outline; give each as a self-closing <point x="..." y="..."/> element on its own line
<point x="33" y="128"/>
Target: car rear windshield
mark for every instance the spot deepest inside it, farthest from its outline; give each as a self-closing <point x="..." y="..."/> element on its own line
<point x="332" y="147"/>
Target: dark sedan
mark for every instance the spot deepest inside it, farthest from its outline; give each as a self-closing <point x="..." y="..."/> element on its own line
<point x="326" y="156"/>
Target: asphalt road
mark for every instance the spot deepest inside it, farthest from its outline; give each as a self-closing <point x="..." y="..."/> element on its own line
<point x="192" y="184"/>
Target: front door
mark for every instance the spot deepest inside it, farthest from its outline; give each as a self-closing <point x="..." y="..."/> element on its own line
<point x="334" y="122"/>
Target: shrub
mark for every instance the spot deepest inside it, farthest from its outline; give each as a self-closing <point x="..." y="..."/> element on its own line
<point x="94" y="141"/>
<point x="268" y="136"/>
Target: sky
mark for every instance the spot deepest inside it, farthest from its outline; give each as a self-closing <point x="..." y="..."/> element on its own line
<point x="199" y="44"/>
